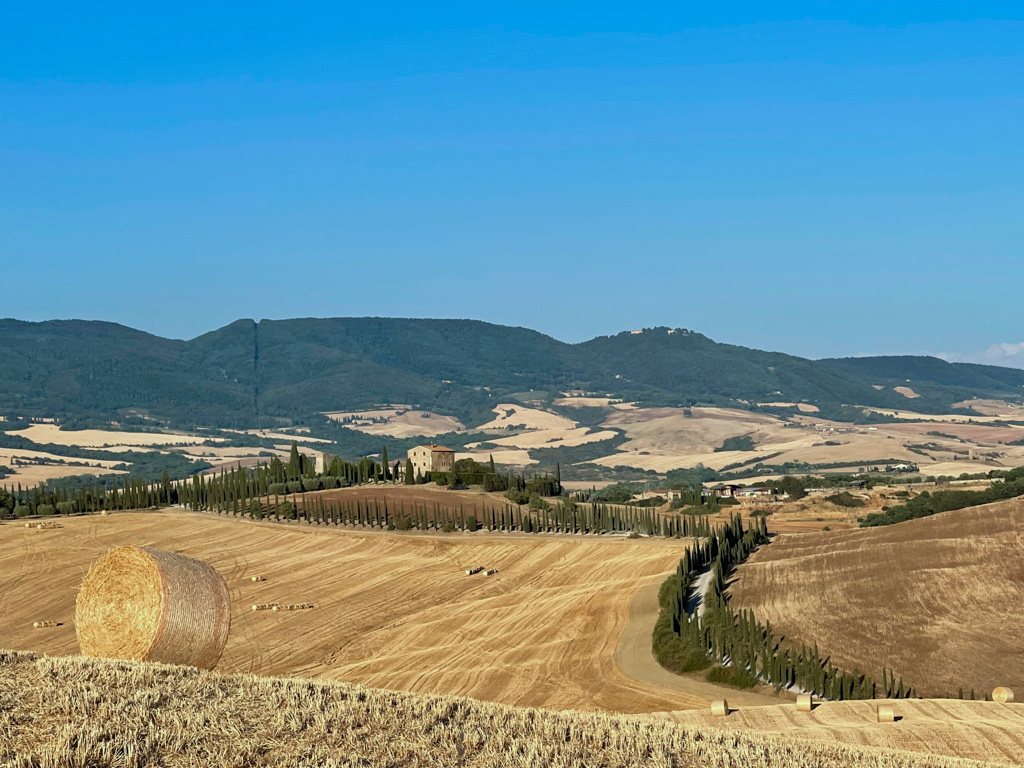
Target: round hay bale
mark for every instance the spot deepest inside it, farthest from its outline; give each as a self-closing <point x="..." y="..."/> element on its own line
<point x="886" y="714"/>
<point x="720" y="708"/>
<point x="104" y="513"/>
<point x="146" y="604"/>
<point x="804" y="702"/>
<point x="1002" y="695"/>
<point x="256" y="578"/>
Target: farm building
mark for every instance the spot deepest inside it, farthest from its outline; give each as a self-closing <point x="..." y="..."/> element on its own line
<point x="431" y="458"/>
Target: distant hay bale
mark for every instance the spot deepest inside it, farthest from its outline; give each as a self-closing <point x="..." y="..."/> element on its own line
<point x="472" y="571"/>
<point x="805" y="702"/>
<point x="292" y="607"/>
<point x="44" y="624"/>
<point x="146" y="604"/>
<point x="265" y="607"/>
<point x="28" y="525"/>
<point x="1002" y="695"/>
<point x="104" y="513"/>
<point x="490" y="571"/>
<point x="257" y="578"/>
<point x="720" y="708"/>
<point x="886" y="714"/>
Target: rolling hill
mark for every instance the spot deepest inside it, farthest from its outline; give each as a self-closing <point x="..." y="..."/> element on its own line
<point x="250" y="374"/>
<point x="936" y="598"/>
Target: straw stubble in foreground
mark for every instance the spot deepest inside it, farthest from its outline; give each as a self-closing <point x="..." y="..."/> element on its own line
<point x="59" y="712"/>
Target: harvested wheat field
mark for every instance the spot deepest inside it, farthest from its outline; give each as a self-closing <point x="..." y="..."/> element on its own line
<point x="937" y="599"/>
<point x="972" y="729"/>
<point x="392" y="610"/>
<point x="60" y="711"/>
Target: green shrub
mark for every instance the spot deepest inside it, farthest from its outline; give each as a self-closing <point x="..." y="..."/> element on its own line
<point x="294" y="486"/>
<point x="46" y="510"/>
<point x="741" y="678"/>
<point x="471" y="523"/>
<point x="517" y="496"/>
<point x="311" y="483"/>
<point x="276" y="489"/>
<point x="65" y="507"/>
<point x="673" y="652"/>
<point x="22" y="510"/>
<point x="256" y="509"/>
<point x="327" y="482"/>
<point x="287" y="511"/>
<point x="845" y="499"/>
<point x="536" y="502"/>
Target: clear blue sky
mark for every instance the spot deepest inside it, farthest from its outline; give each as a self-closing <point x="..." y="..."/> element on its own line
<point x="823" y="178"/>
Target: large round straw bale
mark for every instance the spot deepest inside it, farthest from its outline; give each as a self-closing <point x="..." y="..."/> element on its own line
<point x="1002" y="695"/>
<point x="886" y="714"/>
<point x="804" y="702"/>
<point x="146" y="604"/>
<point x="720" y="708"/>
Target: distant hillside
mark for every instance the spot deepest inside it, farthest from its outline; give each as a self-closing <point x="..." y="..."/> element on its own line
<point x="250" y="374"/>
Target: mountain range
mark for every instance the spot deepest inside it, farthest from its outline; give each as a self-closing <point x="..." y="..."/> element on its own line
<point x="273" y="371"/>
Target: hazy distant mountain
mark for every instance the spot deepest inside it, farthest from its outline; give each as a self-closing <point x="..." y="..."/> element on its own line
<point x="248" y="373"/>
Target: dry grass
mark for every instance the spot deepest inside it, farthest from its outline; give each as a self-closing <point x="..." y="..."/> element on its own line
<point x="401" y="421"/>
<point x="60" y="712"/>
<point x="100" y="438"/>
<point x="511" y="414"/>
<point x="936" y="599"/>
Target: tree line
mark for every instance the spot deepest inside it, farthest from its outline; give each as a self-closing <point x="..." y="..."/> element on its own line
<point x="746" y="650"/>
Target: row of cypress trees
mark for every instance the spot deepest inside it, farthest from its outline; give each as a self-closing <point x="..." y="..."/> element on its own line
<point x="736" y="639"/>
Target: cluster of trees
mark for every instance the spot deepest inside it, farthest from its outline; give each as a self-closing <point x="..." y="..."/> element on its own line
<point x="926" y="504"/>
<point x="740" y="443"/>
<point x="746" y="649"/>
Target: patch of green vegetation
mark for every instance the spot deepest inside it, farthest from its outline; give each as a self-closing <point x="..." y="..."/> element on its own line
<point x="739" y="443"/>
<point x="927" y="504"/>
<point x="734" y="676"/>
<point x="845" y="499"/>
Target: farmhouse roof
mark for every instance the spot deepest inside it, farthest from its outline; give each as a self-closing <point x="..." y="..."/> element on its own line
<point x="440" y="449"/>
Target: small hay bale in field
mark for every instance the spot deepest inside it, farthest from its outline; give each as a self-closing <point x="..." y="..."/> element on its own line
<point x="265" y="607"/>
<point x="472" y="571"/>
<point x="28" y="525"/>
<point x="44" y="624"/>
<point x="257" y="578"/>
<point x="886" y="714"/>
<point x="146" y="604"/>
<point x="1002" y="695"/>
<point x="804" y="702"/>
<point x="490" y="571"/>
<point x="720" y="708"/>
<point x="104" y="513"/>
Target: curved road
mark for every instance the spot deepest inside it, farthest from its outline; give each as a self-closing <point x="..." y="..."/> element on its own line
<point x="636" y="659"/>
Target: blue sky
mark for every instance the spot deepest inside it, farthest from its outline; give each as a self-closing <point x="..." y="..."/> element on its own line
<point x="822" y="178"/>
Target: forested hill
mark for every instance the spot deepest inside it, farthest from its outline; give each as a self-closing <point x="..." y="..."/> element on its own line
<point x="251" y="373"/>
